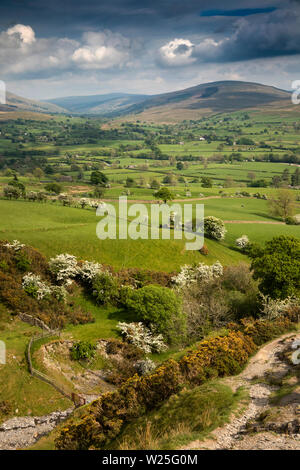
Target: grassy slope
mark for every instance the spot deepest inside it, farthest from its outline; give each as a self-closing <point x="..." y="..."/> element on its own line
<point x="26" y="394"/>
<point x="189" y="415"/>
<point x="57" y="229"/>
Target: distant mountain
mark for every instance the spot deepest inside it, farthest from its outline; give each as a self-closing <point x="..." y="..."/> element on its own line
<point x="17" y="103"/>
<point x="211" y="98"/>
<point x="191" y="103"/>
<point x="102" y="105"/>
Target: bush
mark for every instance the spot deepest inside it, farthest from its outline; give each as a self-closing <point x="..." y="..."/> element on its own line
<point x="160" y="307"/>
<point x="204" y="250"/>
<point x="214" y="228"/>
<point x="144" y="366"/>
<point x="89" y="270"/>
<point x="63" y="267"/>
<point x="277" y="267"/>
<point x="105" y="289"/>
<point x="292" y="220"/>
<point x="200" y="273"/>
<point x="242" y="242"/>
<point x="142" y="337"/>
<point x="83" y="350"/>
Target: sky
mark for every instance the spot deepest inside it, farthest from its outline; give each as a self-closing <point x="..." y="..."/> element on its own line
<point x="58" y="48"/>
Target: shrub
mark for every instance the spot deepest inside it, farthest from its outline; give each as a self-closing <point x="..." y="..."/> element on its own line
<point x="33" y="286"/>
<point x="142" y="337"/>
<point x="11" y="192"/>
<point x="242" y="242"/>
<point x="292" y="220"/>
<point x="89" y="270"/>
<point x="272" y="309"/>
<point x="277" y="267"/>
<point x="204" y="250"/>
<point x="82" y="350"/>
<point x="53" y="188"/>
<point x="105" y="289"/>
<point x="144" y="366"/>
<point x="159" y="306"/>
<point x="22" y="262"/>
<point x="15" y="245"/>
<point x="199" y="273"/>
<point x="214" y="228"/>
<point x="63" y="267"/>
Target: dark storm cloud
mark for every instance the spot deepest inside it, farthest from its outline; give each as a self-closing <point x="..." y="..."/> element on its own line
<point x="273" y="35"/>
<point x="117" y="40"/>
<point x="238" y="12"/>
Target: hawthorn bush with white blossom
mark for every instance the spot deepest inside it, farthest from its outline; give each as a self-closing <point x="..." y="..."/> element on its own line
<point x="34" y="286"/>
<point x="275" y="308"/>
<point x="214" y="228"/>
<point x="15" y="245"/>
<point x="89" y="270"/>
<point x="242" y="242"/>
<point x="64" y="267"/>
<point x="144" y="366"/>
<point x="199" y="273"/>
<point x="142" y="337"/>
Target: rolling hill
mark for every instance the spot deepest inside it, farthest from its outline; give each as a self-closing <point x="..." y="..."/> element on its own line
<point x="190" y="103"/>
<point x="101" y="105"/>
<point x="16" y="103"/>
<point x="211" y="98"/>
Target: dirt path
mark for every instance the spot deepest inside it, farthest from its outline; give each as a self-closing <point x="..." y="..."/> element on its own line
<point x="232" y="436"/>
<point x="252" y="222"/>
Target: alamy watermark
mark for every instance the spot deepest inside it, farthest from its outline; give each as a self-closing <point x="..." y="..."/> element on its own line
<point x="152" y="221"/>
<point x="2" y="353"/>
<point x="296" y="93"/>
<point x="2" y="93"/>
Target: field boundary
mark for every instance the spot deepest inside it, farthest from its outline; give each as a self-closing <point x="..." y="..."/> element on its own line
<point x="74" y="397"/>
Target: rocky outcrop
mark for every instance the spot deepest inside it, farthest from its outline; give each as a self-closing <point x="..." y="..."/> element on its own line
<point x="18" y="433"/>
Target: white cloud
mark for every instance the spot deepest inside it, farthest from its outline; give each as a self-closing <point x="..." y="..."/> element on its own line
<point x="24" y="54"/>
<point x="25" y="33"/>
<point x="177" y="52"/>
<point x="102" y="50"/>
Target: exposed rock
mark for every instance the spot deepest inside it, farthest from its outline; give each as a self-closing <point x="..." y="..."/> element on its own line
<point x="17" y="433"/>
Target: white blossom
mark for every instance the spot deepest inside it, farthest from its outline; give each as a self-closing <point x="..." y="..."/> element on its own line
<point x="275" y="308"/>
<point x="242" y="242"/>
<point x="89" y="270"/>
<point x="199" y="273"/>
<point x="15" y="245"/>
<point x="33" y="285"/>
<point x="214" y="228"/>
<point x="142" y="337"/>
<point x="64" y="267"/>
<point x="144" y="366"/>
